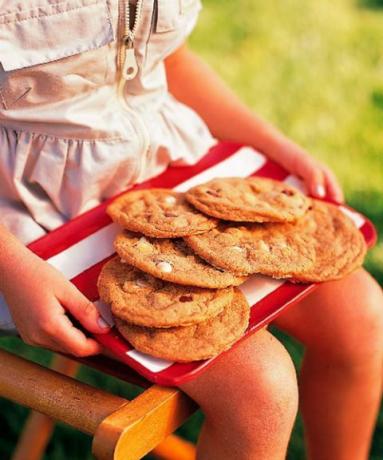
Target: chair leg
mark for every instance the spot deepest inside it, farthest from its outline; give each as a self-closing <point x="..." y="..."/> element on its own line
<point x="34" y="438"/>
<point x="39" y="427"/>
<point x="175" y="448"/>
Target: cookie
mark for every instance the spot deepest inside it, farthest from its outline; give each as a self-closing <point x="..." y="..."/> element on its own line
<point x="141" y="299"/>
<point x="171" y="260"/>
<point x="159" y="213"/>
<point x="192" y="343"/>
<point x="339" y="246"/>
<point x="273" y="249"/>
<point x="251" y="199"/>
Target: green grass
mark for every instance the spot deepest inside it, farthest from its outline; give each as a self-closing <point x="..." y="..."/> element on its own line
<point x="315" y="69"/>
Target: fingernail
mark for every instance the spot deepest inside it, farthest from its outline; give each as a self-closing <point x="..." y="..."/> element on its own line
<point x="102" y="323"/>
<point x="320" y="191"/>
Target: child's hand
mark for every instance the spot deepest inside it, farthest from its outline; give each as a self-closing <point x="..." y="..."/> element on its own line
<point x="319" y="179"/>
<point x="36" y="294"/>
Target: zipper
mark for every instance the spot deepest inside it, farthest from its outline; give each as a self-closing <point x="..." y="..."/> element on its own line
<point x="128" y="68"/>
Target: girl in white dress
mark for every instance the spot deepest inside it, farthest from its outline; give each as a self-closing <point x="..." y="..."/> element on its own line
<point x="96" y="96"/>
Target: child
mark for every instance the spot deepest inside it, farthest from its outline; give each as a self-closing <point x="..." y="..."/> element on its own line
<point x="96" y="96"/>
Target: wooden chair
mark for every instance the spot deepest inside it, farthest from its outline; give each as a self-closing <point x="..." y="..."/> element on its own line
<point x="121" y="429"/>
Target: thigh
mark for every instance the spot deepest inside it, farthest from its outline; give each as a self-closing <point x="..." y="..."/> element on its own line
<point x="346" y="312"/>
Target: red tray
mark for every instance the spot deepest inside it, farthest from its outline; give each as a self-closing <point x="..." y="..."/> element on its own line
<point x="80" y="248"/>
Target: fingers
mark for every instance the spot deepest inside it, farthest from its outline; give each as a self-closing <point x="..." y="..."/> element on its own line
<point x="313" y="177"/>
<point x="334" y="190"/>
<point x="56" y="332"/>
<point x="71" y="340"/>
<point x="83" y="310"/>
<point x="316" y="184"/>
<point x="320" y="180"/>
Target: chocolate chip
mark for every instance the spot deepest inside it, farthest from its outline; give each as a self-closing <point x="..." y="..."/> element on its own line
<point x="186" y="298"/>
<point x="212" y="193"/>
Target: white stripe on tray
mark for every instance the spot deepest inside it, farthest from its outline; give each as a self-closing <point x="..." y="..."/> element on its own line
<point x="86" y="253"/>
<point x="257" y="287"/>
<point x="150" y="362"/>
<point x="354" y="216"/>
<point x="245" y="161"/>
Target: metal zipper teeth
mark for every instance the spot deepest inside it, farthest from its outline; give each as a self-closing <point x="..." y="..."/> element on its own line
<point x="124" y="14"/>
<point x="128" y="31"/>
<point x="120" y="36"/>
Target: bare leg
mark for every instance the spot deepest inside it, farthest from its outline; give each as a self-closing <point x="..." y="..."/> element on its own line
<point x="249" y="398"/>
<point x="341" y="325"/>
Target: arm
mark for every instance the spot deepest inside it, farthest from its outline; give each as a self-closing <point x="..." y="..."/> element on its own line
<point x="36" y="293"/>
<point x="229" y="119"/>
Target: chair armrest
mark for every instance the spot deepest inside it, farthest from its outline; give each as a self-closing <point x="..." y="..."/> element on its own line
<point x="122" y="429"/>
<point x="49" y="392"/>
<point x="136" y="428"/>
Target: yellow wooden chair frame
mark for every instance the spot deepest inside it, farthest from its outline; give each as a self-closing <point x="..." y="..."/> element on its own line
<point x="121" y="429"/>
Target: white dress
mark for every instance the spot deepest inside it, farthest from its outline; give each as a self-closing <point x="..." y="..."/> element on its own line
<point x="67" y="140"/>
<point x="68" y="137"/>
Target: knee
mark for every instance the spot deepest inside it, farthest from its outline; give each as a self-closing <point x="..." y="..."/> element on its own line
<point x="358" y="336"/>
<point x="268" y="391"/>
<point x="253" y="389"/>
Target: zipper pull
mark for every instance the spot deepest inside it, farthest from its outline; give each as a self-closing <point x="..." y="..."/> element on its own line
<point x="130" y="67"/>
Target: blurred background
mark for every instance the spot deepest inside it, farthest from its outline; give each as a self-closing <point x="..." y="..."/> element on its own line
<point x="314" y="69"/>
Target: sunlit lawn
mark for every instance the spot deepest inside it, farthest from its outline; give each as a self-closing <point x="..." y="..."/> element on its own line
<point x="316" y="70"/>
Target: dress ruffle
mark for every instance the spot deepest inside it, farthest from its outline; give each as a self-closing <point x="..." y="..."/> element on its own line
<point x="47" y="180"/>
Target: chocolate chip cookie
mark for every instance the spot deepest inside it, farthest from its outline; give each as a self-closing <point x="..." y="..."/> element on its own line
<point x="273" y="249"/>
<point x="251" y="199"/>
<point x="172" y="260"/>
<point x="339" y="246"/>
<point x="159" y="213"/>
<point x="191" y="343"/>
<point x="141" y="299"/>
